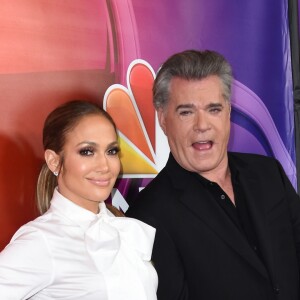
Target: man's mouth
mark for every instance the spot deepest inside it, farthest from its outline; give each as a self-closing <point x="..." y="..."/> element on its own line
<point x="203" y="145"/>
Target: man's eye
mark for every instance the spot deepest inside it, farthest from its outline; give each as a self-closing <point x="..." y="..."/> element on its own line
<point x="215" y="110"/>
<point x="185" y="112"/>
<point x="86" y="152"/>
<point x="113" y="151"/>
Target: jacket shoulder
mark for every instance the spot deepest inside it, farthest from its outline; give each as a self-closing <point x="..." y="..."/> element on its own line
<point x="252" y="158"/>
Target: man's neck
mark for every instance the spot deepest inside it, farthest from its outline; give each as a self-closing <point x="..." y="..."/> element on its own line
<point x="222" y="177"/>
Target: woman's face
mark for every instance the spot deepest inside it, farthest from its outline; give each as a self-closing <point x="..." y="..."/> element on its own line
<point x="90" y="162"/>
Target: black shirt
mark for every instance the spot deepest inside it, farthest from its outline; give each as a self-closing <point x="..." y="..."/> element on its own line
<point x="238" y="213"/>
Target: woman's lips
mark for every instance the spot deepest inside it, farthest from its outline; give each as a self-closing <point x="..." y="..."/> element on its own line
<point x="100" y="182"/>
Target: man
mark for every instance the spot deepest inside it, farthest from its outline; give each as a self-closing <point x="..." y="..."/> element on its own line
<point x="228" y="224"/>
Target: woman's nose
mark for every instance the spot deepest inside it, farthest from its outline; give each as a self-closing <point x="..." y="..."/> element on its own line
<point x="102" y="164"/>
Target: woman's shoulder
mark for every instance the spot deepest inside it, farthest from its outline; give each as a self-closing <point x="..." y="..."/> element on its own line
<point x="35" y="232"/>
<point x="30" y="232"/>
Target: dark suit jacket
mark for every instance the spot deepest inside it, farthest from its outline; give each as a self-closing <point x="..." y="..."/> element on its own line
<point x="200" y="254"/>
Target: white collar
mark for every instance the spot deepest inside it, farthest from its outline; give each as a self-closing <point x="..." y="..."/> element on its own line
<point x="105" y="233"/>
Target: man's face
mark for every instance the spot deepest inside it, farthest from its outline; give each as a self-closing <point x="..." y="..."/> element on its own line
<point x="196" y="122"/>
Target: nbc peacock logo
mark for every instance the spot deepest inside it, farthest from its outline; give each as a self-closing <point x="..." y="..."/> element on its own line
<point x="144" y="147"/>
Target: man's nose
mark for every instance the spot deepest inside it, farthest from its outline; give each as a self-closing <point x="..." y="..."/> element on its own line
<point x="201" y="122"/>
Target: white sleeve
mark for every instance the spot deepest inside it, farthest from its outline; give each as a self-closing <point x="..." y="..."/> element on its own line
<point x="25" y="265"/>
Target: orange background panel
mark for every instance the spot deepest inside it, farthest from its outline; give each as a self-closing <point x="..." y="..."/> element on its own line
<point x="51" y="52"/>
<point x="141" y="81"/>
<point x="121" y="109"/>
<point x="45" y="35"/>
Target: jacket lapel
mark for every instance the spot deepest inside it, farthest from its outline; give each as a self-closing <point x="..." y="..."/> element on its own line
<point x="204" y="206"/>
<point x="254" y="197"/>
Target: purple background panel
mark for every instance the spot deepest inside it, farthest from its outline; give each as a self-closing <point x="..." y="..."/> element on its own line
<point x="252" y="35"/>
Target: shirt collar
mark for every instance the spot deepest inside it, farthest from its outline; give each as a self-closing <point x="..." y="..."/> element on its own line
<point x="233" y="170"/>
<point x="77" y="214"/>
<point x="104" y="234"/>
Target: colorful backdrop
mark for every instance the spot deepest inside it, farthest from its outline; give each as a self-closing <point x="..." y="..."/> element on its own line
<point x="108" y="52"/>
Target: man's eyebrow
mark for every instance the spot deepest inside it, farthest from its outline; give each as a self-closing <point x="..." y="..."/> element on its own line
<point x="182" y="106"/>
<point x="213" y="105"/>
<point x="189" y="105"/>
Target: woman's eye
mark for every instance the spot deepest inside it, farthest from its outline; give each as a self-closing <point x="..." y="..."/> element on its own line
<point x="114" y="151"/>
<point x="86" y="152"/>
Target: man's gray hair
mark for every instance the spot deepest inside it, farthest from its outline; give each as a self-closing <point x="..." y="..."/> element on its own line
<point x="191" y="65"/>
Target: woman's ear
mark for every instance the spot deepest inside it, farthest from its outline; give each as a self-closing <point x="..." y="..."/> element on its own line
<point x="52" y="160"/>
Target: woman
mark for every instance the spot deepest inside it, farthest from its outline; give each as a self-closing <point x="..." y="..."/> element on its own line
<point x="78" y="249"/>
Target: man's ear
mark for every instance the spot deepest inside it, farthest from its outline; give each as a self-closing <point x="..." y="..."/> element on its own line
<point x="161" y="119"/>
<point x="229" y="109"/>
<point x="52" y="160"/>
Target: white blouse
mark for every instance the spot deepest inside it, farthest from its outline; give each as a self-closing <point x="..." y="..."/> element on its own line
<point x="71" y="253"/>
